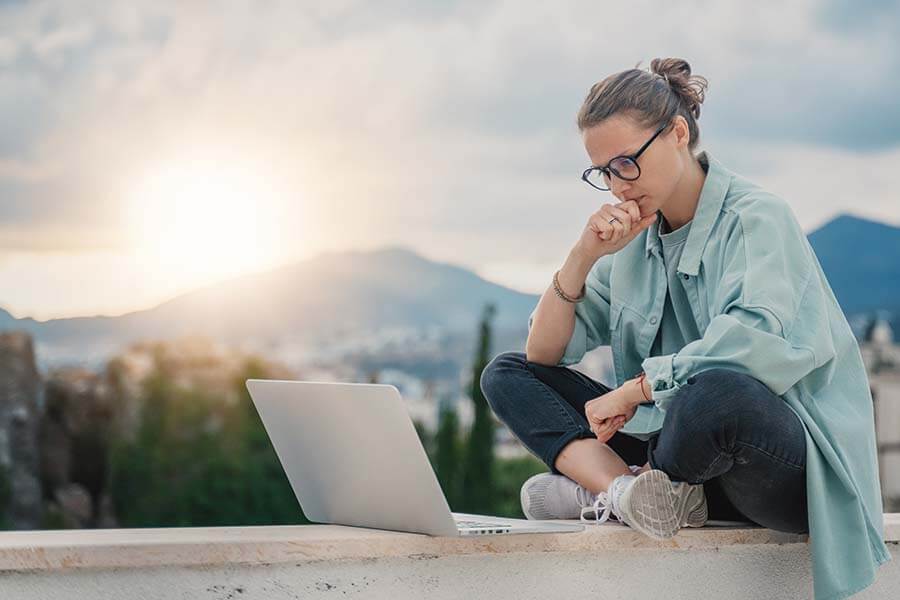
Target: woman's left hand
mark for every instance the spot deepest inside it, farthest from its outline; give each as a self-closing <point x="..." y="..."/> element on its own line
<point x="602" y="411"/>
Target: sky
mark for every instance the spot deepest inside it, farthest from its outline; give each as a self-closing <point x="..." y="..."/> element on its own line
<point x="150" y="148"/>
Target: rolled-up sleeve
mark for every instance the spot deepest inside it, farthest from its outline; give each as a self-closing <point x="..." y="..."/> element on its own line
<point x="591" y="314"/>
<point x="772" y="321"/>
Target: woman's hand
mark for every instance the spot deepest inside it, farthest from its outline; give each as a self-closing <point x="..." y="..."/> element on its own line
<point x="600" y="237"/>
<point x="606" y="414"/>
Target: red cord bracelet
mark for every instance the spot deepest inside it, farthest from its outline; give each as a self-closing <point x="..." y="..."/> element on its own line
<point x="641" y="378"/>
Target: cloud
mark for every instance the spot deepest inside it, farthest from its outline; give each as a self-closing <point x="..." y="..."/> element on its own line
<point x="438" y="125"/>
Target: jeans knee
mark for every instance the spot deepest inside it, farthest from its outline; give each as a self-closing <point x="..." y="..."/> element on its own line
<point x="498" y="373"/>
<point x="721" y="377"/>
<point x="711" y="396"/>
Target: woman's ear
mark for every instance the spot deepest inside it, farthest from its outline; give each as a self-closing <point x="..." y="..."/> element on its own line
<point x="681" y="131"/>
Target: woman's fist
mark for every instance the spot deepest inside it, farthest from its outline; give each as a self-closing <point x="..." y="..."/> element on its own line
<point x="600" y="237"/>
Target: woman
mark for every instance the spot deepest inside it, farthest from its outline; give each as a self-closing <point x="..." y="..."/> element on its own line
<point x="740" y="390"/>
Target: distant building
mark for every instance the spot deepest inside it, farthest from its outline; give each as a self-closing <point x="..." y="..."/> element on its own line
<point x="881" y="356"/>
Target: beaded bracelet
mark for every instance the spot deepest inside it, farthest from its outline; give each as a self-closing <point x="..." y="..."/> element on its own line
<point x="562" y="294"/>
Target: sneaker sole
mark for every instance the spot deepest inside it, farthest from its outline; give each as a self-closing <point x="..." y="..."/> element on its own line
<point x="652" y="506"/>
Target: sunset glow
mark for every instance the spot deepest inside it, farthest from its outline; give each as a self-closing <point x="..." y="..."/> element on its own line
<point x="206" y="220"/>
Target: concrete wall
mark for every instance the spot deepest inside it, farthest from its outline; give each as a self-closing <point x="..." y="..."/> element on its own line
<point x="321" y="561"/>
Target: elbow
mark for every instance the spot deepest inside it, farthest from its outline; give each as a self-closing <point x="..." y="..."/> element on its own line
<point x="540" y="356"/>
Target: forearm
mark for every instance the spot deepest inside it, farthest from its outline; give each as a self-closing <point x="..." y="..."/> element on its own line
<point x="554" y="318"/>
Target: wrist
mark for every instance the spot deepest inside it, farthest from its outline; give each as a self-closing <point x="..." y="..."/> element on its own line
<point x="633" y="396"/>
<point x="642" y="392"/>
<point x="580" y="257"/>
<point x="574" y="272"/>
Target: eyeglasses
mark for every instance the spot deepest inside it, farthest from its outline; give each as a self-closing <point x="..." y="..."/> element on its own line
<point x="623" y="166"/>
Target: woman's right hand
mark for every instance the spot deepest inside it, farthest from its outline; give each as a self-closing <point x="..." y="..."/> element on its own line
<point x="600" y="237"/>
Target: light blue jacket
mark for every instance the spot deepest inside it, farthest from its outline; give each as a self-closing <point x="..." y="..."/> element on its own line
<point x="765" y="309"/>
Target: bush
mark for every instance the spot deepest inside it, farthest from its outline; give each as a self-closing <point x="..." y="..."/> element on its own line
<point x="197" y="461"/>
<point x="509" y="475"/>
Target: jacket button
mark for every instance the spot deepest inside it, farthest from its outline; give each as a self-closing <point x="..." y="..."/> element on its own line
<point x="653" y="320"/>
<point x="686" y="276"/>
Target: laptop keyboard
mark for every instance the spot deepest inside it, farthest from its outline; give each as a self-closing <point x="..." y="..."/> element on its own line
<point x="468" y="523"/>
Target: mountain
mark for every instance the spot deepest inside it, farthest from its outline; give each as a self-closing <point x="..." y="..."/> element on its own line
<point x="332" y="296"/>
<point x="861" y="259"/>
<point x="354" y="297"/>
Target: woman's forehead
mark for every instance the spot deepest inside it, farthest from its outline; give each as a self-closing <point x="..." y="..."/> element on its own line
<point x="612" y="137"/>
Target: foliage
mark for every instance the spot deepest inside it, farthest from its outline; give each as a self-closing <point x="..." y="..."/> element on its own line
<point x="197" y="461"/>
<point x="447" y="453"/>
<point x="477" y="479"/>
<point x="509" y="475"/>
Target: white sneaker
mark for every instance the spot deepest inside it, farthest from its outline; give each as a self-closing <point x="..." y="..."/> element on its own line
<point x="608" y="500"/>
<point x="551" y="496"/>
<point x="653" y="505"/>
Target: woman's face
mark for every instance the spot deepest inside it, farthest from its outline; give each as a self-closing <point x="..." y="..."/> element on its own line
<point x="661" y="163"/>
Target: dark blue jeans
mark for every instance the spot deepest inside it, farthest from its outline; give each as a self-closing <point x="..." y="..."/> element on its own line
<point x="723" y="429"/>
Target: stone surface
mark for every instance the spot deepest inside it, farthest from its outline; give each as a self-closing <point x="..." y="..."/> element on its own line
<point x="327" y="561"/>
<point x="100" y="548"/>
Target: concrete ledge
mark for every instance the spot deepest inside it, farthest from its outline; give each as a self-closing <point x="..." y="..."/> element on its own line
<point x="316" y="561"/>
<point x="116" y="548"/>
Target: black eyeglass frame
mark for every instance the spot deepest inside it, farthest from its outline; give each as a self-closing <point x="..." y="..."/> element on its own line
<point x="632" y="157"/>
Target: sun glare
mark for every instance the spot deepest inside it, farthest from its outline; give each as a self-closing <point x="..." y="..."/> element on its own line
<point x="206" y="221"/>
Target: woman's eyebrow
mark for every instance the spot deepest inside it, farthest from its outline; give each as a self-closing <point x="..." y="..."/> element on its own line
<point x="625" y="152"/>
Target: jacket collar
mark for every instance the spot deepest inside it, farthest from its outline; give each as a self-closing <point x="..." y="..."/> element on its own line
<point x="712" y="196"/>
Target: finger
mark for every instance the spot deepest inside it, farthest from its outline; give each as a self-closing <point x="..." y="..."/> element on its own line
<point x="643" y="224"/>
<point x="609" y="213"/>
<point x="633" y="209"/>
<point x="624" y="217"/>
<point x="613" y="423"/>
<point x="603" y="217"/>
<point x="619" y="231"/>
<point x="601" y="225"/>
<point x="608" y="427"/>
<point x="613" y="231"/>
<point x="606" y="433"/>
<point x="598" y="426"/>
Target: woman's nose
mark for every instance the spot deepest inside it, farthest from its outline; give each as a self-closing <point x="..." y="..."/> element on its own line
<point x="619" y="188"/>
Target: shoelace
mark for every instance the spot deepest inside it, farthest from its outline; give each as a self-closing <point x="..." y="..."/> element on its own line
<point x="602" y="499"/>
<point x="607" y="500"/>
<point x="583" y="497"/>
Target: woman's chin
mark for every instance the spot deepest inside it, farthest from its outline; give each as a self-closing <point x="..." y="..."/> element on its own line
<point x="646" y="211"/>
<point x="644" y="206"/>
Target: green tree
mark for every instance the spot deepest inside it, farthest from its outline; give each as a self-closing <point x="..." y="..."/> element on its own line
<point x="448" y="451"/>
<point x="477" y="479"/>
<point x="424" y="436"/>
<point x="199" y="461"/>
<point x="509" y="475"/>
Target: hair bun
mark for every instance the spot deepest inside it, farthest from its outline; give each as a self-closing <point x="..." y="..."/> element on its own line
<point x="677" y="71"/>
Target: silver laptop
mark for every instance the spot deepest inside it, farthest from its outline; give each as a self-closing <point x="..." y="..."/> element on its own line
<point x="353" y="457"/>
